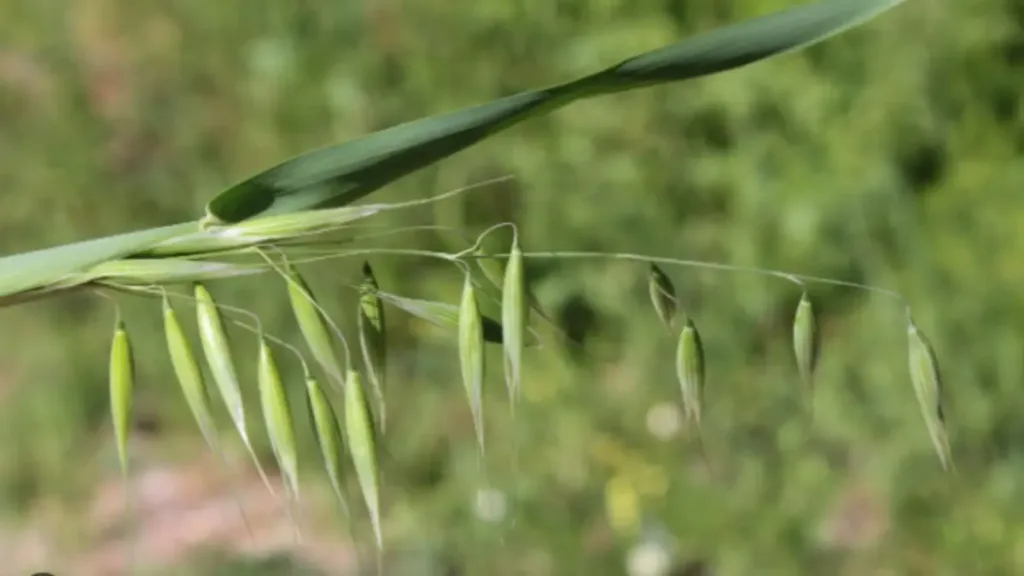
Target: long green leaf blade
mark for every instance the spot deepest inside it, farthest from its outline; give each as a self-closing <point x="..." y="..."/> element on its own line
<point x="341" y="174"/>
<point x="740" y="44"/>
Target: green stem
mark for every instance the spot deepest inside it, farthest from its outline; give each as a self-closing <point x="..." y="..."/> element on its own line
<point x="798" y="279"/>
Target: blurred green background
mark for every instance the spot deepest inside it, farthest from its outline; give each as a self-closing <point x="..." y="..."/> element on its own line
<point x="889" y="155"/>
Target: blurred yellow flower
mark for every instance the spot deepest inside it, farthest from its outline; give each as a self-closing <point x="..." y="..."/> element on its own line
<point x="622" y="504"/>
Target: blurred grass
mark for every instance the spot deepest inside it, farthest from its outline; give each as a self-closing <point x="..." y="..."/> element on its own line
<point x="889" y="155"/>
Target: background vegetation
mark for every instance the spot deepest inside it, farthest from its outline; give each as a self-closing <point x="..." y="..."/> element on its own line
<point x="889" y="155"/>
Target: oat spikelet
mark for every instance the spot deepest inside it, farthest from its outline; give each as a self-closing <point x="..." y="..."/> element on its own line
<point x="277" y="416"/>
<point x="327" y="432"/>
<point x="471" y="355"/>
<point x="122" y="390"/>
<point x="372" y="340"/>
<point x="690" y="373"/>
<point x="361" y="438"/>
<point x="313" y="325"/>
<point x="193" y="385"/>
<point x="663" y="295"/>
<point x="806" y="345"/>
<point x="927" y="381"/>
<point x="217" y="350"/>
<point x="513" y="319"/>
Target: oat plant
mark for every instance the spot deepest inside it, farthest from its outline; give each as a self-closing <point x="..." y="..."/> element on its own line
<point x="304" y="213"/>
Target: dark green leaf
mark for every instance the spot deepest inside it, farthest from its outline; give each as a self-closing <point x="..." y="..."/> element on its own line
<point x="344" y="173"/>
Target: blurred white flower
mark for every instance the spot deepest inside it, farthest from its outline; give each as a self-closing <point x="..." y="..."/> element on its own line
<point x="648" y="559"/>
<point x="664" y="420"/>
<point x="490" y="505"/>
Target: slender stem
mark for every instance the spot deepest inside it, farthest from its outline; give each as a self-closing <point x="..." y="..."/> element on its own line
<point x="387" y="231"/>
<point x="799" y="279"/>
<point x="378" y="251"/>
<point x="480" y="239"/>
<point x="308" y="253"/>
